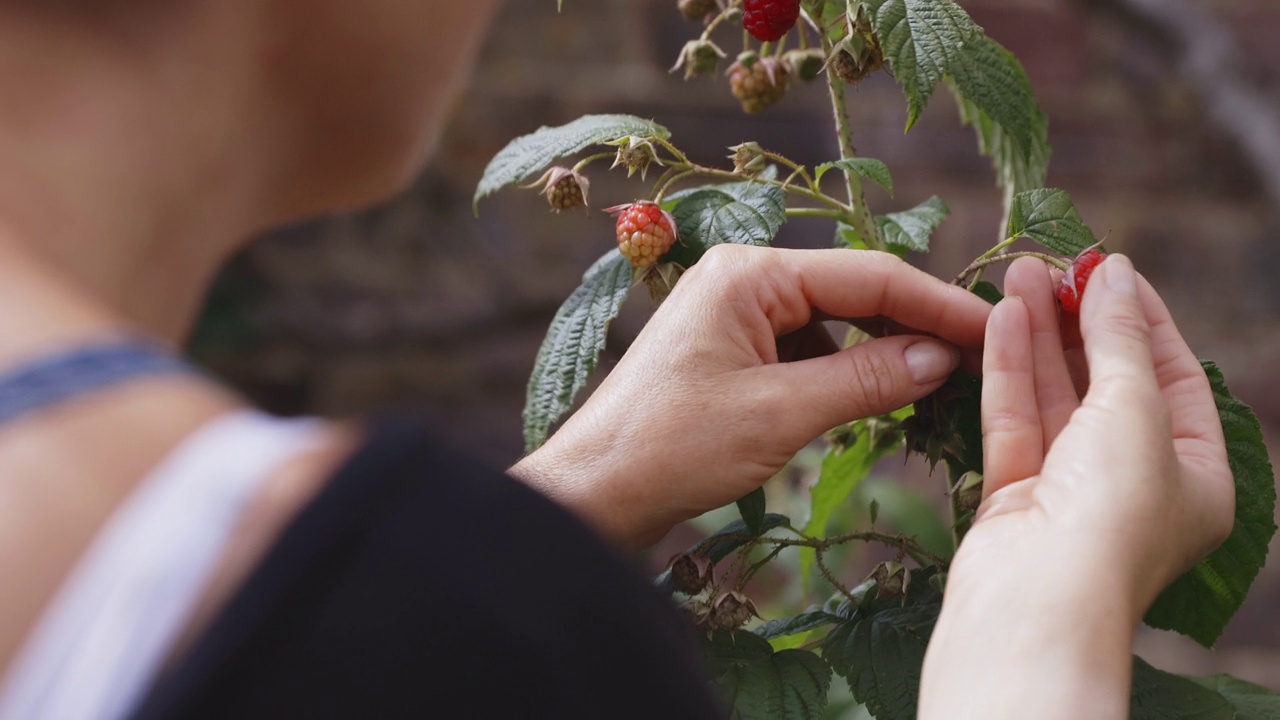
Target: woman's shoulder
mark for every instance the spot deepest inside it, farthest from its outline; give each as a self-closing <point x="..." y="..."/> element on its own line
<point x="418" y="577"/>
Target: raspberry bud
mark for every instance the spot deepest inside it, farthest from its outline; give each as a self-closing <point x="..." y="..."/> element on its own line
<point x="731" y="611"/>
<point x="748" y="159"/>
<point x="564" y="189"/>
<point x="806" y="64"/>
<point x="699" y="58"/>
<point x="696" y="10"/>
<point x="645" y="232"/>
<point x="769" y="20"/>
<point x="1071" y="286"/>
<point x="690" y="574"/>
<point x="758" y="82"/>
<point x="636" y="155"/>
<point x="856" y="57"/>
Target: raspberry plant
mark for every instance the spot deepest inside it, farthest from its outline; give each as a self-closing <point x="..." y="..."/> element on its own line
<point x="870" y="632"/>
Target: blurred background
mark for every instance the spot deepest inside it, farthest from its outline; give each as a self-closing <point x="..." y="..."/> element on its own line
<point x="1165" y="125"/>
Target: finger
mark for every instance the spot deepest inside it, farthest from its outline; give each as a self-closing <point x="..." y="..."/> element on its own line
<point x="861" y="284"/>
<point x="1012" y="432"/>
<point x="1117" y="337"/>
<point x="1181" y="378"/>
<point x="1056" y="396"/>
<point x="872" y="378"/>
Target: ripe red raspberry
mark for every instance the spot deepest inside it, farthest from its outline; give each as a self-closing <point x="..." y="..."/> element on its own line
<point x="1071" y="286"/>
<point x="645" y="232"/>
<point x="758" y="83"/>
<point x="769" y="20"/>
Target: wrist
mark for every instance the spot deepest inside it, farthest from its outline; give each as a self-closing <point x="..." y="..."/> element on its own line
<point x="1031" y="631"/>
<point x="596" y="489"/>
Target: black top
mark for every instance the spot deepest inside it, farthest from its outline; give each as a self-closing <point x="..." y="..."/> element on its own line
<point x="419" y="584"/>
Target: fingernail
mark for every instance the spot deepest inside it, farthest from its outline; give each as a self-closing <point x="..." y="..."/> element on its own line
<point x="1120" y="275"/>
<point x="929" y="361"/>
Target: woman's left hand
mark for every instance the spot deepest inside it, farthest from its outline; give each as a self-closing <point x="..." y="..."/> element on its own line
<point x="734" y="375"/>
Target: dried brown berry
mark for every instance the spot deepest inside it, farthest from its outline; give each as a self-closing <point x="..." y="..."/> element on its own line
<point x="690" y="574"/>
<point x="731" y="610"/>
<point x="563" y="188"/>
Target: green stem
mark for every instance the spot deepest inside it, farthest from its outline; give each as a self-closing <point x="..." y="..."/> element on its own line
<point x="863" y="223"/>
<point x="724" y="15"/>
<point x="1009" y="257"/>
<point x="906" y="544"/>
<point x="816" y="213"/>
<point x="800" y="169"/>
<point x="662" y="191"/>
<point x="593" y="158"/>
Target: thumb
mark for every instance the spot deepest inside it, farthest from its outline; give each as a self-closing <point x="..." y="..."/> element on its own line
<point x="869" y="379"/>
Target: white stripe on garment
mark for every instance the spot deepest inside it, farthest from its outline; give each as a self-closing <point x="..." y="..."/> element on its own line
<point x="100" y="643"/>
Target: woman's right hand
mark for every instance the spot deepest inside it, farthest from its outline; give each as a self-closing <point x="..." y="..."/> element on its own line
<point x="1092" y="505"/>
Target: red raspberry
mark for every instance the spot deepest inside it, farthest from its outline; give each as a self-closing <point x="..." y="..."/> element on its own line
<point x="645" y="232"/>
<point x="1071" y="286"/>
<point x="769" y="20"/>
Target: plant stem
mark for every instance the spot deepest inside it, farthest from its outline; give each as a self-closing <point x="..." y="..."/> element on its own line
<point x="831" y="578"/>
<point x="666" y="184"/>
<point x="593" y="158"/>
<point x="727" y="13"/>
<point x="815" y="213"/>
<point x="983" y="262"/>
<point x="900" y="542"/>
<point x="863" y="223"/>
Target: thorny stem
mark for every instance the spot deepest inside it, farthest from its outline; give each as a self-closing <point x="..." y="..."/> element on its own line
<point x="814" y="213"/>
<point x="800" y="169"/>
<point x="863" y="222"/>
<point x="831" y="578"/>
<point x="906" y="544"/>
<point x="983" y="262"/>
<point x="755" y="567"/>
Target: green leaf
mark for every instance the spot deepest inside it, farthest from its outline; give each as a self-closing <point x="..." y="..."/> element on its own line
<point x="1201" y="602"/>
<point x="842" y="469"/>
<point x="725" y="649"/>
<point x="1251" y="702"/>
<point x="1158" y="695"/>
<point x="910" y="230"/>
<point x="1050" y="218"/>
<point x="996" y="98"/>
<point x="803" y="622"/>
<point x="752" y="509"/>
<point x="870" y="168"/>
<point x="988" y="292"/>
<point x="745" y="213"/>
<point x="881" y="656"/>
<point x="788" y="685"/>
<point x="729" y="538"/>
<point x="922" y="40"/>
<point x="572" y="348"/>
<point x="525" y="157"/>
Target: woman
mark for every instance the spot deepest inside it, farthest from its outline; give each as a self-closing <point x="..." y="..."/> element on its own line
<point x="167" y="552"/>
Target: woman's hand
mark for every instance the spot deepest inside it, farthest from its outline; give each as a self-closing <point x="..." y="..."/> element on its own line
<point x="734" y="375"/>
<point x="1092" y="507"/>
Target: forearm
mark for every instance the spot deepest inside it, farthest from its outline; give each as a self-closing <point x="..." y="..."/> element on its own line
<point x="1049" y="639"/>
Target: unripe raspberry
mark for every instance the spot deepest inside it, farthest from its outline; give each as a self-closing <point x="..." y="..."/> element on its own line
<point x="690" y="574"/>
<point x="758" y="82"/>
<point x="645" y="232"/>
<point x="968" y="492"/>
<point x="697" y="10"/>
<point x="563" y="188"/>
<point x="1071" y="286"/>
<point x="769" y="20"/>
<point x="699" y="58"/>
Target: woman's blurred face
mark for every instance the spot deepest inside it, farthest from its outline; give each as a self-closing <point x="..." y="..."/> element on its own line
<point x="364" y="88"/>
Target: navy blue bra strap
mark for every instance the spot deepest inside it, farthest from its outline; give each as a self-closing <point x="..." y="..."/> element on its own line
<point x="58" y="378"/>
